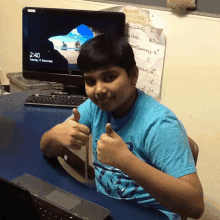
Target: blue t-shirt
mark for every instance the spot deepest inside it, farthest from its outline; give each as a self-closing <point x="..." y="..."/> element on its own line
<point x="153" y="133"/>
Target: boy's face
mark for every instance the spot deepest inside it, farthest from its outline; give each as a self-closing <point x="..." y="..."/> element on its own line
<point x="111" y="89"/>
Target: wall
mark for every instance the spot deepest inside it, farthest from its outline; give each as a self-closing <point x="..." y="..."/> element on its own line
<point x="191" y="79"/>
<point x="210" y="6"/>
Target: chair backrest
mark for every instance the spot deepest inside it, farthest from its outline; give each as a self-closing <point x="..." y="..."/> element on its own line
<point x="194" y="149"/>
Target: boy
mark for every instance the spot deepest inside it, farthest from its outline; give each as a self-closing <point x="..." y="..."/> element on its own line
<point x="140" y="149"/>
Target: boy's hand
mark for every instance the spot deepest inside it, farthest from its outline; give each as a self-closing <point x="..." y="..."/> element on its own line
<point x="111" y="149"/>
<point x="71" y="133"/>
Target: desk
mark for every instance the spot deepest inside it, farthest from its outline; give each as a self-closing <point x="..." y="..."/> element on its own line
<point x="21" y="128"/>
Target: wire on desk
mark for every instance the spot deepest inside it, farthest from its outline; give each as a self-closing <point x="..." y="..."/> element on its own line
<point x="54" y="86"/>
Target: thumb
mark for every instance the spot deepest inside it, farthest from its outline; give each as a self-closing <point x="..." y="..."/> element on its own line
<point x="76" y="116"/>
<point x="109" y="131"/>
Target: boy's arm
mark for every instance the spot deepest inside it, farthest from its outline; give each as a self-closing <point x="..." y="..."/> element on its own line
<point x="183" y="195"/>
<point x="47" y="141"/>
<point x="70" y="134"/>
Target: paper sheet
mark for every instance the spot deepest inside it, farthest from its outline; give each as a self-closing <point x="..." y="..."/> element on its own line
<point x="145" y="35"/>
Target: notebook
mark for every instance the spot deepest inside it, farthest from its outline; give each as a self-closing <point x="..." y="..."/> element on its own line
<point x="30" y="198"/>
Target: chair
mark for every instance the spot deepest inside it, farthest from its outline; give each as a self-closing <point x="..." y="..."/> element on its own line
<point x="194" y="148"/>
<point x="195" y="151"/>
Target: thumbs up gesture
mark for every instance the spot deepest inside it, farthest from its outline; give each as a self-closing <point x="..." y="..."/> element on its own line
<point x="78" y="133"/>
<point x="111" y="149"/>
<point x="76" y="115"/>
<point x="71" y="133"/>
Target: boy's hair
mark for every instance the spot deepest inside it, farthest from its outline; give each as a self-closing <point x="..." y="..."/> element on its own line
<point x="103" y="51"/>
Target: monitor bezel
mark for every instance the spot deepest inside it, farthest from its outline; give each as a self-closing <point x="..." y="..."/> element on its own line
<point x="66" y="76"/>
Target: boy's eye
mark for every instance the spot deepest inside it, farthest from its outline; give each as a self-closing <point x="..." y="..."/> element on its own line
<point x="109" y="78"/>
<point x="90" y="82"/>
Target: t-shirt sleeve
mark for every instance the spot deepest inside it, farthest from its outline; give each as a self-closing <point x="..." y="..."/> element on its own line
<point x="85" y="110"/>
<point x="169" y="149"/>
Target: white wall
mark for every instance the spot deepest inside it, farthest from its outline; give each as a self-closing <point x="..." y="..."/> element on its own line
<point x="191" y="78"/>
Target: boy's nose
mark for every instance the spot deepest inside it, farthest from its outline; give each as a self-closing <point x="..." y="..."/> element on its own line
<point x="101" y="95"/>
<point x="101" y="91"/>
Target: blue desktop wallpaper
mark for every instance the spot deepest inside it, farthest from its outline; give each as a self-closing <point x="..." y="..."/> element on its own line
<point x="69" y="45"/>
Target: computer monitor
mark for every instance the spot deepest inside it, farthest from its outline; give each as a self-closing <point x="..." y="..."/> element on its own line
<point x="52" y="39"/>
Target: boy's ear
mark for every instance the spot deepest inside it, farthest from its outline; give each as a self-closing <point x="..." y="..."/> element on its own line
<point x="134" y="74"/>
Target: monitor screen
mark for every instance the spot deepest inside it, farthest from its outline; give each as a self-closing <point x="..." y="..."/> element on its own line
<point x="52" y="39"/>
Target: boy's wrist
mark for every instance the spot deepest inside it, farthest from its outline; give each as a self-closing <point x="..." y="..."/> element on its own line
<point x="125" y="160"/>
<point x="50" y="146"/>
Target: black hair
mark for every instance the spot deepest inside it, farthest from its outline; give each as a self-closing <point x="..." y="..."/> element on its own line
<point x="103" y="51"/>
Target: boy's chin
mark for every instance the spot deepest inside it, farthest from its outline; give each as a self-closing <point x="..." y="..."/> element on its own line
<point x="105" y="108"/>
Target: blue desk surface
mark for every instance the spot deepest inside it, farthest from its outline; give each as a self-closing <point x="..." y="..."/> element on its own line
<point x="21" y="128"/>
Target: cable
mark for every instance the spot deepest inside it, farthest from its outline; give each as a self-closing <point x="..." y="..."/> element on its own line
<point x="57" y="87"/>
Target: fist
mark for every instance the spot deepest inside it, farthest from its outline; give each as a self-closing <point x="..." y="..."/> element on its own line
<point x="71" y="133"/>
<point x="111" y="149"/>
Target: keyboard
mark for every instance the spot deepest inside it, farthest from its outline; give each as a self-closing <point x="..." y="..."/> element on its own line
<point x="48" y="211"/>
<point x="30" y="198"/>
<point x="67" y="101"/>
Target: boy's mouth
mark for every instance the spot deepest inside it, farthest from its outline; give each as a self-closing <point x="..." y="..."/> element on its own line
<point x="103" y="100"/>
